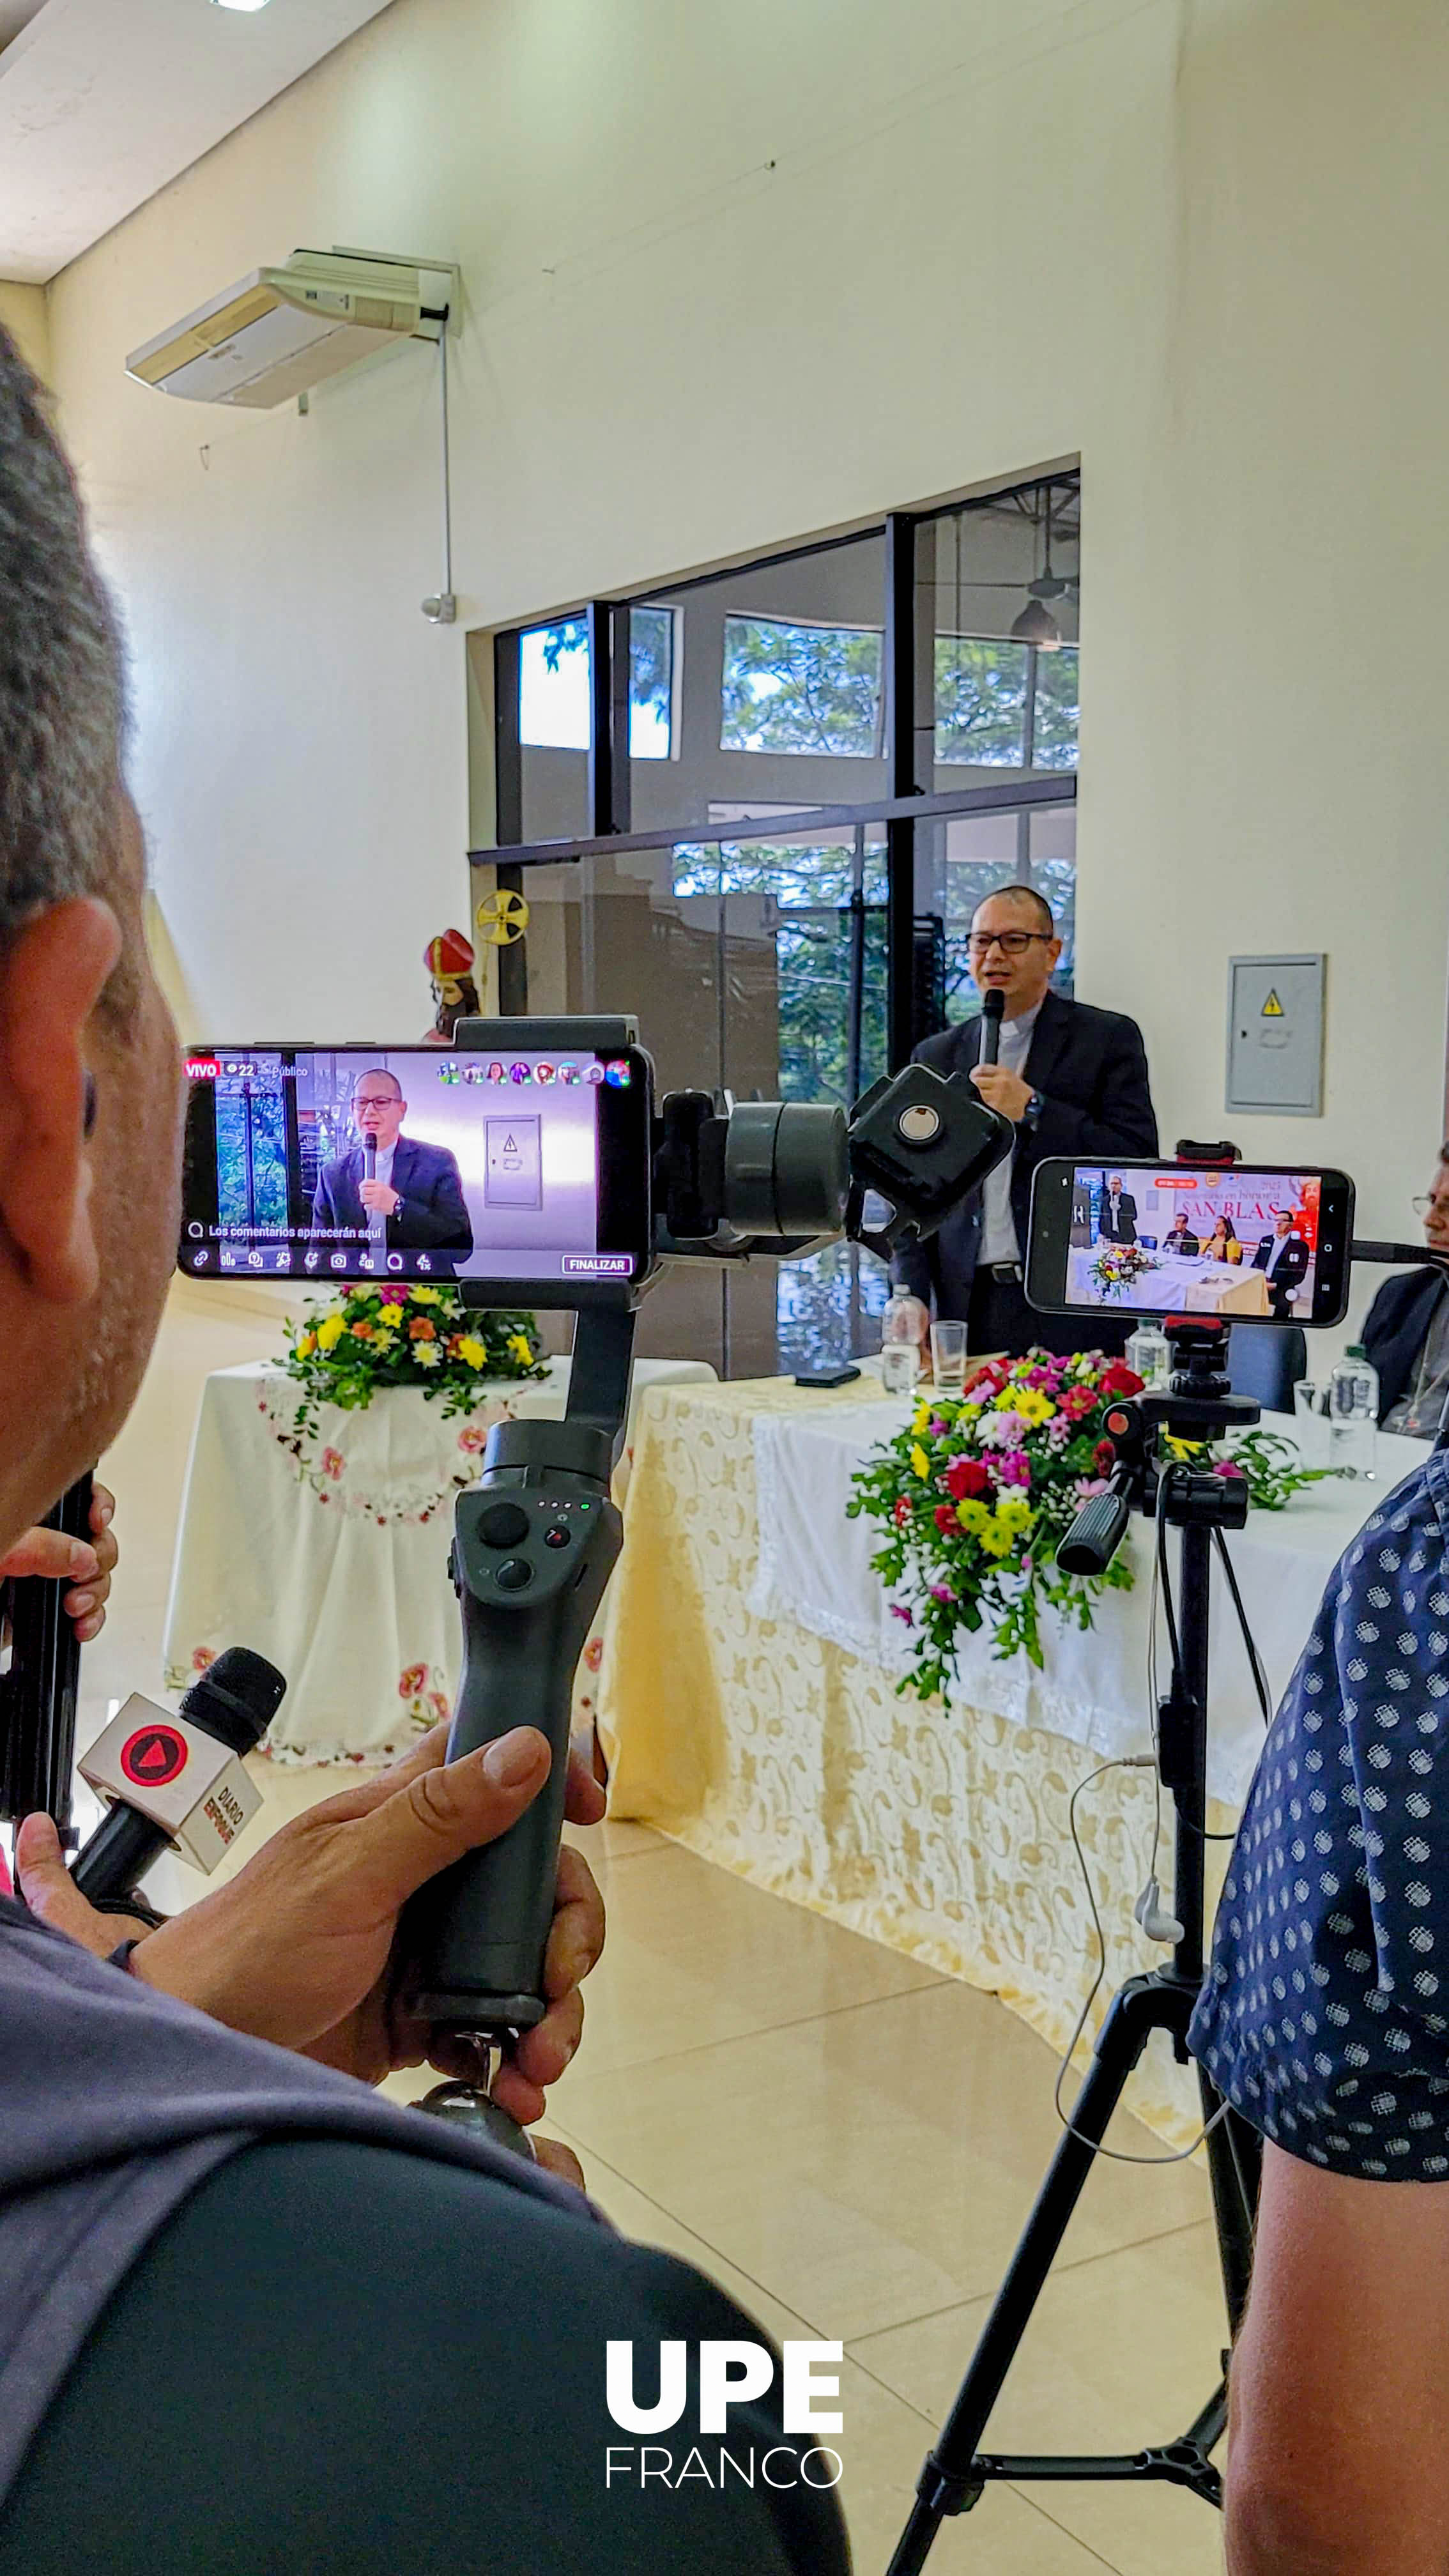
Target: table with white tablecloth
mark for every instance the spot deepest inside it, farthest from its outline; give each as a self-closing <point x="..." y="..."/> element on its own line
<point x="1195" y="1284"/>
<point x="326" y="1550"/>
<point x="748" y="1701"/>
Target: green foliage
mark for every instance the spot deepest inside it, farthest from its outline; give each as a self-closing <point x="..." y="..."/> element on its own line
<point x="801" y="688"/>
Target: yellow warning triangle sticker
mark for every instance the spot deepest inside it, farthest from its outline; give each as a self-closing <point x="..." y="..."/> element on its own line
<point x="1272" y="1008"/>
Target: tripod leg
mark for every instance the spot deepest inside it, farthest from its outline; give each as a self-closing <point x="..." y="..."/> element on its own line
<point x="946" y="2483"/>
<point x="1235" y="2158"/>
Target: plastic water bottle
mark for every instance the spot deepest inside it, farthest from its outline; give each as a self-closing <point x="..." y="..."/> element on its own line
<point x="1149" y="1353"/>
<point x="1353" y="1413"/>
<point x="903" y="1329"/>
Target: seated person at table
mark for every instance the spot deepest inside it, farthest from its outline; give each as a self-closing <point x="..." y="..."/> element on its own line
<point x="1222" y="1244"/>
<point x="1325" y="2020"/>
<point x="361" y="2341"/>
<point x="1284" y="1256"/>
<point x="1180" y="1238"/>
<point x="1117" y="1215"/>
<point x="1072" y="1080"/>
<point x="414" y="1200"/>
<point x="1406" y="1333"/>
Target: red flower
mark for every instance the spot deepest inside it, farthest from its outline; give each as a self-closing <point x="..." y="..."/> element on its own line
<point x="1078" y="1401"/>
<point x="901" y="1511"/>
<point x="594" y="1653"/>
<point x="946" y="1521"/>
<point x="967" y="1478"/>
<point x="989" y="1379"/>
<point x="203" y="1658"/>
<point x="411" y="1681"/>
<point x="1104" y="1457"/>
<point x="1119" y="1379"/>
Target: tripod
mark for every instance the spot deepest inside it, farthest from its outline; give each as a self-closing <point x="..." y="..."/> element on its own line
<point x="957" y="2471"/>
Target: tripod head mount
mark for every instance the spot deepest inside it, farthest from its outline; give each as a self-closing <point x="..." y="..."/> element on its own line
<point x="1198" y="1404"/>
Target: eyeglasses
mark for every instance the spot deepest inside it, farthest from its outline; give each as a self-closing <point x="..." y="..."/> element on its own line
<point x="1012" y="943"/>
<point x="374" y="1100"/>
<point x="1434" y="1199"/>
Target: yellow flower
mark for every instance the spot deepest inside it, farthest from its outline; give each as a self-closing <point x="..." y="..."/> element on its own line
<point x="920" y="1418"/>
<point x="389" y="1314"/>
<point x="919" y="1459"/>
<point x="974" y="1518"/>
<point x="1031" y="1404"/>
<point x="520" y="1348"/>
<point x="329" y="1332"/>
<point x="306" y="1346"/>
<point x="996" y="1540"/>
<point x="426" y="1297"/>
<point x="382" y="1341"/>
<point x="470" y="1350"/>
<point x="1013" y="1513"/>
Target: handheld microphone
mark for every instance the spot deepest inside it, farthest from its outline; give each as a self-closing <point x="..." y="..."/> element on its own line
<point x="369" y="1158"/>
<point x="993" y="1004"/>
<point x="177" y="1782"/>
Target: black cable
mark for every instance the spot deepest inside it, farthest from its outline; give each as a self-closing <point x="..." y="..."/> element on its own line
<point x="1255" y="1660"/>
<point x="1164" y="1577"/>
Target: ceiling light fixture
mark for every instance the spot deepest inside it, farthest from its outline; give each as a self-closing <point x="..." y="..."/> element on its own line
<point x="1036" y="624"/>
<point x="247" y="5"/>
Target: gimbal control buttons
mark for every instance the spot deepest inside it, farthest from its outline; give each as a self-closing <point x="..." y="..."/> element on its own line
<point x="513" y="1574"/>
<point x="502" y="1525"/>
<point x="557" y="1536"/>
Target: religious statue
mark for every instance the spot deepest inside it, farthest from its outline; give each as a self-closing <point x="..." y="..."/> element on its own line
<point x="449" y="961"/>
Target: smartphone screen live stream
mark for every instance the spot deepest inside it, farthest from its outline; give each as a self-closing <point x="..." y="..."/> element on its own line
<point x="368" y="1162"/>
<point x="1268" y="1245"/>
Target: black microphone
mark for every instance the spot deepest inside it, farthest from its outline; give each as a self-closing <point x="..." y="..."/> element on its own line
<point x="1394" y="1255"/>
<point x="369" y="1158"/>
<point x="177" y="1782"/>
<point x="993" y="1005"/>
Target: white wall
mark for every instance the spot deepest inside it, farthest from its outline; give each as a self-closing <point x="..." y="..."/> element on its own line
<point x="737" y="275"/>
<point x="24" y="315"/>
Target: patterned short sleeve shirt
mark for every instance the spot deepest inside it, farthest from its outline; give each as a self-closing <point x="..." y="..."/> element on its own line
<point x="1324" y="2017"/>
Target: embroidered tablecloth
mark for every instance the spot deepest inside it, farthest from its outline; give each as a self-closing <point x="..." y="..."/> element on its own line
<point x="329" y="1555"/>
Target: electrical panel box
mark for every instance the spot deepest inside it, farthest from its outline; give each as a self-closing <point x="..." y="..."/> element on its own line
<point x="1275" y="1036"/>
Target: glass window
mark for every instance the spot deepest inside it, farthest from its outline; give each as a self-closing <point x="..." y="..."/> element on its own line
<point x="797" y="688"/>
<point x="980" y="700"/>
<point x="553" y="685"/>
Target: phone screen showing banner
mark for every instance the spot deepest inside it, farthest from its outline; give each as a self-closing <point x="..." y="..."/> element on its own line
<point x="1194" y="1242"/>
<point x="356" y="1163"/>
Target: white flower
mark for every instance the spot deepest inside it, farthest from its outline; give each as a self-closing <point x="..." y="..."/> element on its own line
<point x="428" y="1355"/>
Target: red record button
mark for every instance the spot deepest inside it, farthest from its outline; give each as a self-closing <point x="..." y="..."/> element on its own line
<point x="154" y="1756"/>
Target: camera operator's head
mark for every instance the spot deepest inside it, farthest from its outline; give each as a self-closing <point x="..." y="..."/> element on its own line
<point x="1013" y="947"/>
<point x="90" y="1077"/>
<point x="378" y="1108"/>
<point x="1433" y="1207"/>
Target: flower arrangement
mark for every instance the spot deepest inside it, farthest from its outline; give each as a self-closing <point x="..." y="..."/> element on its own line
<point x="977" y="1491"/>
<point x="406" y="1336"/>
<point x="1119" y="1265"/>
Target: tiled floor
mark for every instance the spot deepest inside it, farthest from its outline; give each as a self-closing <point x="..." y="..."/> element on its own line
<point x="847" y="2143"/>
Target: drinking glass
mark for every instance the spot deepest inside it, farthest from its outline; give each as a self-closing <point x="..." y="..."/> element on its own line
<point x="948" y="1357"/>
<point x="1310" y="1407"/>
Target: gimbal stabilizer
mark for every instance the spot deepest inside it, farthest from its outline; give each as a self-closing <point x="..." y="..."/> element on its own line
<point x="536" y="1538"/>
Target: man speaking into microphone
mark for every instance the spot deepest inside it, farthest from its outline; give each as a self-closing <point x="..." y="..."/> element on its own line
<point x="403" y="1195"/>
<point x="1072" y="1079"/>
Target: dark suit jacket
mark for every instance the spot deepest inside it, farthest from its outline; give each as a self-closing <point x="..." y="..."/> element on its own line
<point x="1395" y="1329"/>
<point x="1186" y="1245"/>
<point x="1117" y="1218"/>
<point x="433" y="1217"/>
<point x="1293" y="1262"/>
<point x="1090" y="1067"/>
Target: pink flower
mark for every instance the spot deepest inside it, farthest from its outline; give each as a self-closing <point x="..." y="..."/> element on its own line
<point x="1001" y="1431"/>
<point x="943" y="1592"/>
<point x="1016" y="1468"/>
<point x="594" y="1653"/>
<point x="1086" y="1486"/>
<point x="1041" y="1376"/>
<point x="904" y="1616"/>
<point x="1228" y="1467"/>
<point x="203" y="1658"/>
<point x="1078" y="1401"/>
<point x="333" y="1463"/>
<point x="438" y="1705"/>
<point x="411" y="1681"/>
<point x="937" y="1426"/>
<point x="473" y="1439"/>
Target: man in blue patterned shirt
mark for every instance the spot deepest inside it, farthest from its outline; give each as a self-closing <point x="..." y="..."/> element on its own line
<point x="1325" y="2021"/>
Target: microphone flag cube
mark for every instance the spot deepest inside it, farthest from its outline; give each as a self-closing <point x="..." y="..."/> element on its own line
<point x="195" y="1789"/>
